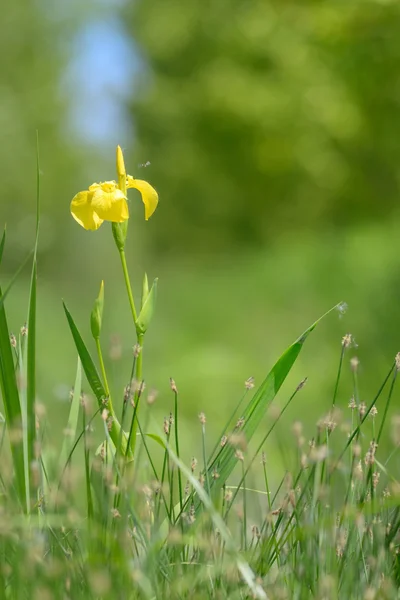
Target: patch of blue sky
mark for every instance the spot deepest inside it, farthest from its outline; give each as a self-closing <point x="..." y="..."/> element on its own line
<point x="100" y="79"/>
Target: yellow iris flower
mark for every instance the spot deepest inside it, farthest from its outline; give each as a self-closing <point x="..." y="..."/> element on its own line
<point x="107" y="202"/>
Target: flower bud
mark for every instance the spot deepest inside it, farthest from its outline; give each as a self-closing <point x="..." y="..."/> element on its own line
<point x="97" y="313"/>
<point x="121" y="168"/>
<point x="120" y="231"/>
<point x="144" y="318"/>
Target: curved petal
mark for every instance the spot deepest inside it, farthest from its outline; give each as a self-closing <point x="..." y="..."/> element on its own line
<point x="149" y="194"/>
<point x="110" y="203"/>
<point x="83" y="213"/>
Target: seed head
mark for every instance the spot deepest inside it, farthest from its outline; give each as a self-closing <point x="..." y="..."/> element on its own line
<point x="224" y="440"/>
<point x="249" y="383"/>
<point x="193" y="464"/>
<point x="192" y="513"/>
<point x="202" y="418"/>
<point x="302" y="384"/>
<point x="24" y="330"/>
<point x="239" y="455"/>
<point x="127" y="393"/>
<point x="347" y="340"/>
<point x="330" y="422"/>
<point x="362" y="409"/>
<point x="166" y="425"/>
<point x="373" y="412"/>
<point x="187" y="488"/>
<point x="151" y="396"/>
<point x="358" y="470"/>
<point x="240" y="423"/>
<point x="354" y="362"/>
<point x="397" y="360"/>
<point x="136" y="350"/>
<point x="13" y="340"/>
<point x="238" y="440"/>
<point x="370" y="455"/>
<point x="255" y="531"/>
<point x="228" y="496"/>
<point x="263" y="458"/>
<point x="173" y="385"/>
<point x="319" y="453"/>
<point x="356" y="450"/>
<point x="215" y="474"/>
<point x="304" y="460"/>
<point x="352" y="404"/>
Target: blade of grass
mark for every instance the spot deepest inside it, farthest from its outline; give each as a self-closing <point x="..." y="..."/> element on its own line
<point x="242" y="566"/>
<point x="21" y="377"/>
<point x="2" y="244"/>
<point x="72" y="423"/>
<point x="257" y="406"/>
<point x="12" y="407"/>
<point x="89" y="499"/>
<point x="264" y="439"/>
<point x="31" y="342"/>
<point x="31" y="370"/>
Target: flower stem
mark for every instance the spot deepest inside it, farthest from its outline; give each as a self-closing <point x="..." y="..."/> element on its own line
<point x="128" y="287"/>
<point x="136" y="400"/>
<point x="115" y="427"/>
<point x="103" y="372"/>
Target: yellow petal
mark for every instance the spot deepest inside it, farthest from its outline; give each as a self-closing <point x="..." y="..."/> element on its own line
<point x="83" y="213"/>
<point x="110" y="203"/>
<point x="149" y="194"/>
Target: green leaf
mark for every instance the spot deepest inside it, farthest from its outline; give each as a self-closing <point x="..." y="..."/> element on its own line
<point x="145" y="289"/>
<point x="31" y="342"/>
<point x="12" y="407"/>
<point x="31" y="366"/>
<point x="257" y="406"/>
<point x="145" y="316"/>
<point x="94" y="380"/>
<point x="87" y="363"/>
<point x="157" y="439"/>
<point x="96" y="317"/>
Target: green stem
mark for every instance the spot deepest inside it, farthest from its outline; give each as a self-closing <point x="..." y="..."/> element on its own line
<point x="138" y="377"/>
<point x="103" y="373"/>
<point x="140" y="337"/>
<point x="115" y="425"/>
<point x="128" y="286"/>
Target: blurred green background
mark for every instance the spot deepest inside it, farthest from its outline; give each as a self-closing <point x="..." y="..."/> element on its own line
<point x="272" y="129"/>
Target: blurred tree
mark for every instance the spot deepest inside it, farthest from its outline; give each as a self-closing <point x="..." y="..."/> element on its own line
<point x="263" y="117"/>
<point x="34" y="54"/>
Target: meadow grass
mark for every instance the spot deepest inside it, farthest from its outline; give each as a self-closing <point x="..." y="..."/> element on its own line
<point x="129" y="519"/>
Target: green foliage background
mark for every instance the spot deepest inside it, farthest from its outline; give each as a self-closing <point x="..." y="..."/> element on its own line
<point x="267" y="117"/>
<point x="273" y="132"/>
